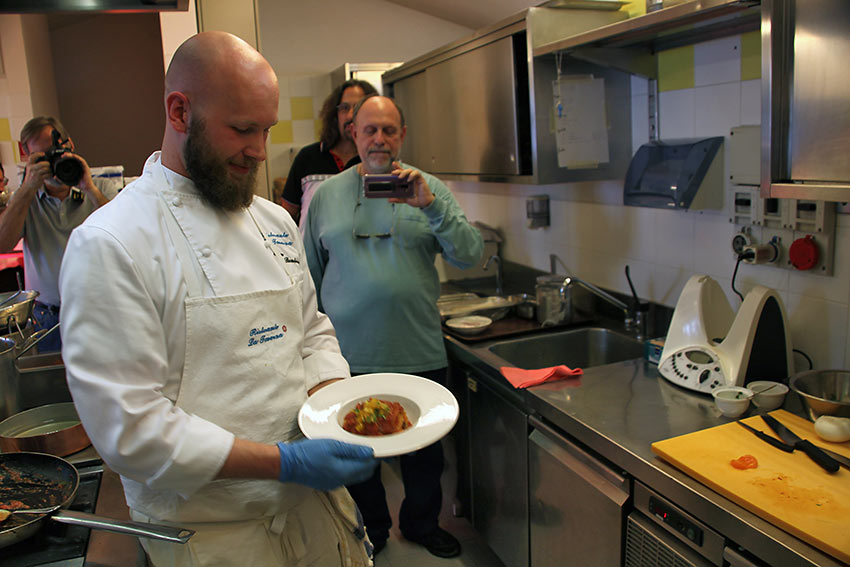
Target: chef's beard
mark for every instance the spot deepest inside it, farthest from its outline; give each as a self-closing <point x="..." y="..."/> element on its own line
<point x="210" y="174"/>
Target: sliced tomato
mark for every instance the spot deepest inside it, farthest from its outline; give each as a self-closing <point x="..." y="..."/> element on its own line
<point x="744" y="462"/>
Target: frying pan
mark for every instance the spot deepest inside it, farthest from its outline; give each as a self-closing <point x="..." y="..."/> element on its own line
<point x="53" y="429"/>
<point x="38" y="480"/>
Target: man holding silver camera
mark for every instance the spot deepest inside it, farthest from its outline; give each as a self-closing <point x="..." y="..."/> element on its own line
<point x="372" y="260"/>
<point x="56" y="195"/>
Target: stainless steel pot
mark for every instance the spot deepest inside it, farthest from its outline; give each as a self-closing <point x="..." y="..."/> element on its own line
<point x="17" y="311"/>
<point x="36" y="480"/>
<point x="54" y="429"/>
<point x="9" y="402"/>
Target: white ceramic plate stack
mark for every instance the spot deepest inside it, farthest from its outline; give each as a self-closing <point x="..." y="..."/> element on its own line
<point x="431" y="408"/>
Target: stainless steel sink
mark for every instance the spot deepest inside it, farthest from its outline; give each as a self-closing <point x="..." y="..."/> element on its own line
<point x="576" y="348"/>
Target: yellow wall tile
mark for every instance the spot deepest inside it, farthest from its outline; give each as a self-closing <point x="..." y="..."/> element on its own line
<point x="5" y="130"/>
<point x="302" y="107"/>
<point x="676" y="69"/>
<point x="281" y="133"/>
<point x="318" y="127"/>
<point x="750" y="56"/>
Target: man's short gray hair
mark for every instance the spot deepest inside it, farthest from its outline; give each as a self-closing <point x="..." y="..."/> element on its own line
<point x="35" y="125"/>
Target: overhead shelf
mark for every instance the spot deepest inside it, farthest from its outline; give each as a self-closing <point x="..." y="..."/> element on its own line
<point x="682" y="24"/>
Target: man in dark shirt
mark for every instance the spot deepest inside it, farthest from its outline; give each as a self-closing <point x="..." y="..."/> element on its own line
<point x="333" y="153"/>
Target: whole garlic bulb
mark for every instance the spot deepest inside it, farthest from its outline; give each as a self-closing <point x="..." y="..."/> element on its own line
<point x="831" y="428"/>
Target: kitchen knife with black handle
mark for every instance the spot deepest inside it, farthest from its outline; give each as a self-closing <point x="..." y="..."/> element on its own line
<point x="817" y="455"/>
<point x="843" y="461"/>
<point x="765" y="437"/>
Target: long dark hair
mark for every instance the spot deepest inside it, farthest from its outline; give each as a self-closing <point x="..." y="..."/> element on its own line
<point x="330" y="125"/>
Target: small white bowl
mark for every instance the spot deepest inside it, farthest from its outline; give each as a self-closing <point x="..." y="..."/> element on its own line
<point x="470" y="325"/>
<point x="771" y="400"/>
<point x="732" y="401"/>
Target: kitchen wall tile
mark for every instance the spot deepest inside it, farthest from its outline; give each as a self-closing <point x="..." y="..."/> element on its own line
<point x="303" y="132"/>
<point x="751" y="102"/>
<point x="676" y="109"/>
<point x="676" y="69"/>
<point x="667" y="284"/>
<point x="320" y="87"/>
<point x="750" y="275"/>
<point x="5" y="130"/>
<point x="302" y="108"/>
<point x="284" y="108"/>
<point x="5" y="103"/>
<point x="281" y="133"/>
<point x="638" y="234"/>
<point x="674" y="239"/>
<point x="751" y="55"/>
<point x="283" y="86"/>
<point x="300" y="86"/>
<point x="712" y="249"/>
<point x="818" y="328"/>
<point x="640" y="121"/>
<point x="717" y="61"/>
<point x="717" y="108"/>
<point x="832" y="288"/>
<point x="280" y="157"/>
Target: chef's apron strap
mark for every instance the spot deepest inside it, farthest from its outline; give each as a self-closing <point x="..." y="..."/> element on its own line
<point x="181" y="248"/>
<point x="181" y="245"/>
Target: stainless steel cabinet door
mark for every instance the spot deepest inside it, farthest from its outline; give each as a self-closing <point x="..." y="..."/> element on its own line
<point x="499" y="462"/>
<point x="575" y="503"/>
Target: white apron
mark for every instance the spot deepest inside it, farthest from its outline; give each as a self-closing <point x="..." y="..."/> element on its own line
<point x="243" y="371"/>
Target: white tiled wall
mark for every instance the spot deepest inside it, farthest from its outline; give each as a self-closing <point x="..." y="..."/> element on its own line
<point x="663" y="247"/>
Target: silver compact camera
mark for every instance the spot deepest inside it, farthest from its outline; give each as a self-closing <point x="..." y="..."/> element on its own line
<point x="379" y="186"/>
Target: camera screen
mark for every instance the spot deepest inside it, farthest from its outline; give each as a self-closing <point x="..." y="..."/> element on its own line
<point x="381" y="187"/>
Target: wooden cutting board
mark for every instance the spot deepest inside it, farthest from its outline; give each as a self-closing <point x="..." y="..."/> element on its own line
<point x="787" y="489"/>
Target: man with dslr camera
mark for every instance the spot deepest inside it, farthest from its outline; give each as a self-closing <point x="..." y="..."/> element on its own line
<point x="56" y="195"/>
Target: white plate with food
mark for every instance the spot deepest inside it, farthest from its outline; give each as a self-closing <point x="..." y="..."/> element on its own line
<point x="431" y="412"/>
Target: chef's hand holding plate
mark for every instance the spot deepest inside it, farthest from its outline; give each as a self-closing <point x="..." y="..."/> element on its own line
<point x="422" y="195"/>
<point x="325" y="464"/>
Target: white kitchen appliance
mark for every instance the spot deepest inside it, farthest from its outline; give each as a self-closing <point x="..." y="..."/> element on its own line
<point x="708" y="345"/>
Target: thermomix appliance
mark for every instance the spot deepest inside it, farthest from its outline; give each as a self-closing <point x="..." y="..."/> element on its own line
<point x="709" y="345"/>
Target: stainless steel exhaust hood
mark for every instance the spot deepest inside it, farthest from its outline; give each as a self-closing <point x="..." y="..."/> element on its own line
<point x="91" y="6"/>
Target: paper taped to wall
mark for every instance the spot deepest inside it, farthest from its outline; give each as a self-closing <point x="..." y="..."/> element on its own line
<point x="581" y="125"/>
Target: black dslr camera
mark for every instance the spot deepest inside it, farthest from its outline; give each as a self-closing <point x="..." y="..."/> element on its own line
<point x="386" y="186"/>
<point x="64" y="166"/>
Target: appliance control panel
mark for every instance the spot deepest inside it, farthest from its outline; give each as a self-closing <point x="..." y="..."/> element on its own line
<point x="694" y="368"/>
<point x="678" y="522"/>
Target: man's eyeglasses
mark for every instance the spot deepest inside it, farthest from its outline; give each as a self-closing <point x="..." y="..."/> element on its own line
<point x="372" y="220"/>
<point x="344" y="107"/>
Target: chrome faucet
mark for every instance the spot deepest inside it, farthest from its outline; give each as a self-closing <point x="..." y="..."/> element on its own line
<point x="498" y="260"/>
<point x="633" y="316"/>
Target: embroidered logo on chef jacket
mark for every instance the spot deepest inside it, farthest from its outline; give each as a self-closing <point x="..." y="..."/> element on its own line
<point x="261" y="335"/>
<point x="282" y="241"/>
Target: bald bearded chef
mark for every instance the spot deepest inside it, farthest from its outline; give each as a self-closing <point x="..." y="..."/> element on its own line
<point x="193" y="337"/>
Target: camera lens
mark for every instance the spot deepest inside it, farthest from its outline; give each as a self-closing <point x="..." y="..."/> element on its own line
<point x="68" y="170"/>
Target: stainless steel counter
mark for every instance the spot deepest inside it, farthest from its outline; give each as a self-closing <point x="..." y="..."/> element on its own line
<point x="618" y="411"/>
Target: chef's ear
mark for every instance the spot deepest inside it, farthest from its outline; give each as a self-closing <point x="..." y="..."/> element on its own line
<point x="177" y="111"/>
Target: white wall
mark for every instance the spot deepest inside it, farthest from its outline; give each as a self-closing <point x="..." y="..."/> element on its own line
<point x="665" y="247"/>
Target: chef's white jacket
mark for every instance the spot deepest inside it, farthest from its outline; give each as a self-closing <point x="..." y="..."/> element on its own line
<point x="124" y="328"/>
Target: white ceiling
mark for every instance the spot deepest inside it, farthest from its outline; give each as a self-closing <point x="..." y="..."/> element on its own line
<point x="474" y="14"/>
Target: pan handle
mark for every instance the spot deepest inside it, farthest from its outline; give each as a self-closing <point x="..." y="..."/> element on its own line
<point x="153" y="531"/>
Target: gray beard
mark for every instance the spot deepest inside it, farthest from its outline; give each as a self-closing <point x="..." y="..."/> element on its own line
<point x="210" y="174"/>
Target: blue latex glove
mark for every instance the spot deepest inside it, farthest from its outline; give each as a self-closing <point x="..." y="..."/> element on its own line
<point x="325" y="464"/>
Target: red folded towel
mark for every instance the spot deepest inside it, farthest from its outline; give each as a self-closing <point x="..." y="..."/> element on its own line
<point x="525" y="378"/>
